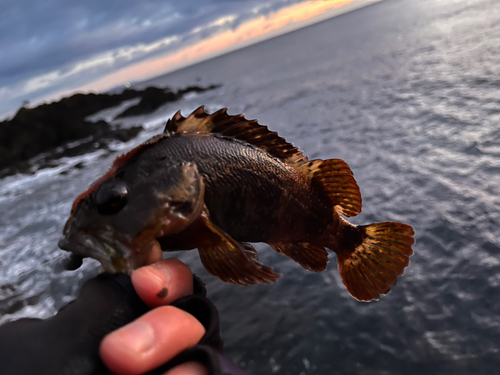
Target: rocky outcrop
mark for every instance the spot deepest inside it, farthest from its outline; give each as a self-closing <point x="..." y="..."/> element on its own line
<point x="49" y="127"/>
<point x="153" y="98"/>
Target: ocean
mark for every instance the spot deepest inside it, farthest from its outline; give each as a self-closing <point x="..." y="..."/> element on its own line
<point x="408" y="94"/>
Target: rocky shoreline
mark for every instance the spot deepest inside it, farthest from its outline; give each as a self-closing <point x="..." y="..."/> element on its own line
<point x="53" y="129"/>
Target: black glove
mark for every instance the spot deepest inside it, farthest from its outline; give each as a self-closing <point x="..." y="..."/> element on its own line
<point x="68" y="343"/>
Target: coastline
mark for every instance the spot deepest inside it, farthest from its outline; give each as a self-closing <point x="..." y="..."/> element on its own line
<point x="35" y="138"/>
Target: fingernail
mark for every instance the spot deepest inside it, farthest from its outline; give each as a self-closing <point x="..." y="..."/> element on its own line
<point x="159" y="273"/>
<point x="138" y="337"/>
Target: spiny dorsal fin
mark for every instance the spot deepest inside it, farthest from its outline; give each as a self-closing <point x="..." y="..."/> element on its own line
<point x="335" y="179"/>
<point x="240" y="128"/>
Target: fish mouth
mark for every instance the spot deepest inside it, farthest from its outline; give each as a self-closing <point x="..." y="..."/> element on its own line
<point x="125" y="247"/>
<point x="111" y="253"/>
<point x="119" y="252"/>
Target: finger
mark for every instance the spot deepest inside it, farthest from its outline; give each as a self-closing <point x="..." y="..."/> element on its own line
<point x="163" y="282"/>
<point x="150" y="341"/>
<point x="188" y="368"/>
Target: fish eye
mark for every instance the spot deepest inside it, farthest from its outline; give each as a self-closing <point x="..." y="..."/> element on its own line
<point x="111" y="197"/>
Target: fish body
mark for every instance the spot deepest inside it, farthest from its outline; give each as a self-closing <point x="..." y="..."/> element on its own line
<point x="218" y="182"/>
<point x="250" y="194"/>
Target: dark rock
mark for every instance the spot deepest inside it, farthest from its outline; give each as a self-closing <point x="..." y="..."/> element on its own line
<point x="79" y="165"/>
<point x="123" y="135"/>
<point x="127" y="134"/>
<point x="16" y="302"/>
<point x="17" y="167"/>
<point x="48" y="164"/>
<point x="197" y="89"/>
<point x="154" y="97"/>
<point x="34" y="131"/>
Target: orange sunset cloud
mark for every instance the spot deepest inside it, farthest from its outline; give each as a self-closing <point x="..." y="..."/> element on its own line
<point x="252" y="31"/>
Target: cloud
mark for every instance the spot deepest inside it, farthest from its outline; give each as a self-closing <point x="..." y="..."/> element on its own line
<point x="57" y="44"/>
<point x="262" y="27"/>
<point x="39" y="36"/>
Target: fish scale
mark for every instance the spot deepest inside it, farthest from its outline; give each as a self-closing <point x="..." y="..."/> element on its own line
<point x="247" y="191"/>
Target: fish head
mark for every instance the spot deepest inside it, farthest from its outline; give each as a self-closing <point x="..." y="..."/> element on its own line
<point x="118" y="221"/>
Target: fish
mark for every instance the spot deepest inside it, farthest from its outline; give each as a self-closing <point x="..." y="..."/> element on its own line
<point x="217" y="183"/>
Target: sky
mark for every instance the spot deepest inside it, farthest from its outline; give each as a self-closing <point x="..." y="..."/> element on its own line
<point x="52" y="48"/>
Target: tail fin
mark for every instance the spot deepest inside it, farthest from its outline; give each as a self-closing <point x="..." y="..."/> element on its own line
<point x="372" y="257"/>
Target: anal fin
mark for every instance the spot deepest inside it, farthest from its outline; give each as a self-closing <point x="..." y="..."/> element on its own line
<point x="229" y="260"/>
<point x="372" y="257"/>
<point x="311" y="257"/>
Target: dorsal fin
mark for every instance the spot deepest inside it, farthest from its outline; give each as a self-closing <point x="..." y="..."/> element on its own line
<point x="238" y="127"/>
<point x="111" y="172"/>
<point x="336" y="180"/>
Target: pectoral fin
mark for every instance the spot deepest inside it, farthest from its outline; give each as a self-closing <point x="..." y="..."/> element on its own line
<point x="229" y="260"/>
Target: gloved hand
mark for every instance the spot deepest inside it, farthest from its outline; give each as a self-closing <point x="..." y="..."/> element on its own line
<point x="68" y="343"/>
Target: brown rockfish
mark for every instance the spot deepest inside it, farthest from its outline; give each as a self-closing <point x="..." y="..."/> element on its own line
<point x="218" y="182"/>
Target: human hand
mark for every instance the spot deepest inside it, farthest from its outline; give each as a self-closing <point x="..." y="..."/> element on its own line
<point x="161" y="334"/>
